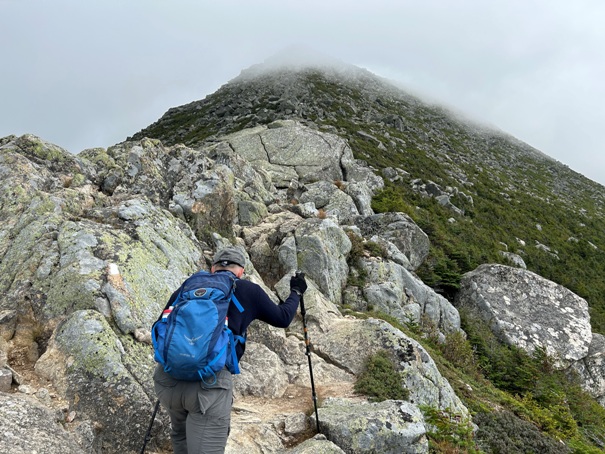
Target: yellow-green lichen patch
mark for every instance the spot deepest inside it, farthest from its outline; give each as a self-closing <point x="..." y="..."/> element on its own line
<point x="71" y="291"/>
<point x="91" y="345"/>
<point x="18" y="184"/>
<point x="78" y="180"/>
<point x="140" y="269"/>
<point x="23" y="244"/>
<point x="43" y="204"/>
<point x="76" y="285"/>
<point x="36" y="147"/>
<point x="99" y="157"/>
<point x="150" y="261"/>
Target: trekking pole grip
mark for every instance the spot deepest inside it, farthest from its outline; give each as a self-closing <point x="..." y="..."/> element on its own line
<point x="302" y="300"/>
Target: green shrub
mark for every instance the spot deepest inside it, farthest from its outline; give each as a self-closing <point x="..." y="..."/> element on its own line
<point x="448" y="432"/>
<point x="380" y="380"/>
<point x="458" y="351"/>
<point x="508" y="367"/>
<point x="356" y="247"/>
<point x="504" y="433"/>
<point x="375" y="249"/>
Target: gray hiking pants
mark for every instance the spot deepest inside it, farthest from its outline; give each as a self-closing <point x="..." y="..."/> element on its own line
<point x="200" y="415"/>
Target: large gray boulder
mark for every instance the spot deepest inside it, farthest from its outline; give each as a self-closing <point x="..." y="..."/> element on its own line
<point x="399" y="230"/>
<point x="390" y="427"/>
<point x="528" y="311"/>
<point x="289" y="146"/>
<point x="394" y="290"/>
<point x="293" y="155"/>
<point x="129" y="168"/>
<point x="322" y="254"/>
<point x="350" y="342"/>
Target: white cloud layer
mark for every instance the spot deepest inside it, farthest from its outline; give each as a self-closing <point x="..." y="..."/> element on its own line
<point x="86" y="74"/>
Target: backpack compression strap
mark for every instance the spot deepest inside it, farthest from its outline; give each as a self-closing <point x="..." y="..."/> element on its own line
<point x="233" y="340"/>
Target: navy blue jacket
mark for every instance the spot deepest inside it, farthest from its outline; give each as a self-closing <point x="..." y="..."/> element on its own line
<point x="257" y="305"/>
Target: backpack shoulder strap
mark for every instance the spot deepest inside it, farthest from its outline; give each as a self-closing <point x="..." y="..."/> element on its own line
<point x="237" y="303"/>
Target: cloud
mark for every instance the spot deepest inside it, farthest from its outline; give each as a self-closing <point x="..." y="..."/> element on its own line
<point x="85" y="74"/>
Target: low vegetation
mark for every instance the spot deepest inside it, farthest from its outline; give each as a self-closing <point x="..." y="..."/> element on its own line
<point x="380" y="379"/>
<point x="519" y="402"/>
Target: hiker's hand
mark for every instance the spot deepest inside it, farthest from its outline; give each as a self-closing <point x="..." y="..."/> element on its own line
<point x="298" y="283"/>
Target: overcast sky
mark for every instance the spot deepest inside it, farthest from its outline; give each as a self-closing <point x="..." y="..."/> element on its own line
<point x="85" y="74"/>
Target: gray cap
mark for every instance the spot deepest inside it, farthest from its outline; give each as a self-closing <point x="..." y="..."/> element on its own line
<point x="229" y="255"/>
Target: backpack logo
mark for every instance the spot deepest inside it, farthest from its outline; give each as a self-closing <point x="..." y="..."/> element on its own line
<point x="191" y="340"/>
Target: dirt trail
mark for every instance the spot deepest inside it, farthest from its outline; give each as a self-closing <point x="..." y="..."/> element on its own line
<point x="296" y="399"/>
<point x="247" y="411"/>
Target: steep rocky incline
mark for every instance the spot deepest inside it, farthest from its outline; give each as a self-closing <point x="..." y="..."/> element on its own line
<point x="92" y="245"/>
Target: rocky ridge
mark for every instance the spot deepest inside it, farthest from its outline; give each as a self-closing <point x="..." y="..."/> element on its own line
<point x="93" y="244"/>
<point x="331" y="95"/>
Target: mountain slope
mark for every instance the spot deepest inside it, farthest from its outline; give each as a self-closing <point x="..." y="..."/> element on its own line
<point x="515" y="199"/>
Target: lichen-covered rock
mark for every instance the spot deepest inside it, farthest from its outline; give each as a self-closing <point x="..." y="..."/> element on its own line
<point x="400" y="230"/>
<point x="68" y="170"/>
<point x="390" y="427"/>
<point x="85" y="361"/>
<point x="133" y="168"/>
<point x="289" y="145"/>
<point x="350" y="342"/>
<point x="28" y="426"/>
<point x="528" y="311"/>
<point x="322" y="250"/>
<point x="391" y="288"/>
<point x="290" y="152"/>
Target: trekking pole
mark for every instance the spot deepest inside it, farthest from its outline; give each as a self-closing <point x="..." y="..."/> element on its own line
<point x="303" y="312"/>
<point x="148" y="434"/>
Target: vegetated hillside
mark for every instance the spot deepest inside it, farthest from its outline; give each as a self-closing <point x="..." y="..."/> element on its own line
<point x="521" y="201"/>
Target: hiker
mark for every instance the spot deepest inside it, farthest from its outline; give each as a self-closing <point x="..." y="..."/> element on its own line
<point x="200" y="413"/>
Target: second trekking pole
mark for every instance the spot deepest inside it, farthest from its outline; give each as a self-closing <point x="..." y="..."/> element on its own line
<point x="303" y="312"/>
<point x="148" y="434"/>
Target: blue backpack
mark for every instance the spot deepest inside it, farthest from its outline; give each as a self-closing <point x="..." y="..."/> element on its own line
<point x="191" y="339"/>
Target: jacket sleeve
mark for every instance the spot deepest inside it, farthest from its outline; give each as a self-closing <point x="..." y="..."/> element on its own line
<point x="278" y="315"/>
